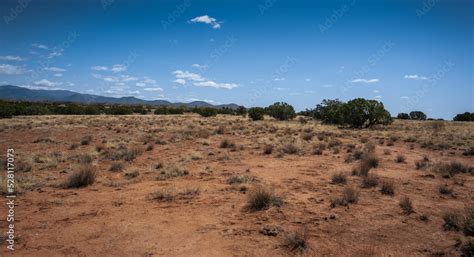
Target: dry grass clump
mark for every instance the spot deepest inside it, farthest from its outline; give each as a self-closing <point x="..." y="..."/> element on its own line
<point x="240" y="179"/>
<point x="131" y="174"/>
<point x="457" y="220"/>
<point x="164" y="195"/>
<point x="81" y="178"/>
<point x="226" y="143"/>
<point x="296" y="241"/>
<point x="290" y="148"/>
<point x="349" y="196"/>
<point x="172" y="170"/>
<point x="370" y="181"/>
<point x="423" y="163"/>
<point x="23" y="166"/>
<point x="449" y="170"/>
<point x="339" y="178"/>
<point x="453" y="220"/>
<point x="307" y="136"/>
<point x="122" y="153"/>
<point x="400" y="158"/>
<point x="406" y="205"/>
<point x="445" y="190"/>
<point x="319" y="148"/>
<point x="387" y="187"/>
<point x="262" y="198"/>
<point x="86" y="140"/>
<point x="467" y="248"/>
<point x="116" y="167"/>
<point x="369" y="160"/>
<point x="267" y="149"/>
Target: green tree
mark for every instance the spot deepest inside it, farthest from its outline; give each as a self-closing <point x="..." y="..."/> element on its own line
<point x="362" y="113"/>
<point x="206" y="111"/>
<point x="467" y="116"/>
<point x="403" y="116"/>
<point x="417" y="115"/>
<point x="256" y="113"/>
<point x="281" y="111"/>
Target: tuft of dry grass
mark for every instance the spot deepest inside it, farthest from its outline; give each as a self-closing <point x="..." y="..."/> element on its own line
<point x="86" y="140"/>
<point x="449" y="170"/>
<point x="262" y="198"/>
<point x="370" y="181"/>
<point x="267" y="149"/>
<point x="83" y="177"/>
<point x="349" y="196"/>
<point x="400" y="158"/>
<point x="387" y="187"/>
<point x="296" y="241"/>
<point x="339" y="178"/>
<point x="237" y="179"/>
<point x="116" y="167"/>
<point x="406" y="205"/>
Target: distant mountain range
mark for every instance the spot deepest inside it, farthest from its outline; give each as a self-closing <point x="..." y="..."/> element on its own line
<point x="8" y="92"/>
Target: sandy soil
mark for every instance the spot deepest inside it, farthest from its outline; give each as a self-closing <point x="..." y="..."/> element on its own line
<point x="116" y="216"/>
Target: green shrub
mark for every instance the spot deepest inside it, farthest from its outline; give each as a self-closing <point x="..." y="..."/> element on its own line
<point x="256" y="113"/>
<point x="467" y="116"/>
<point x="281" y="111"/>
<point x="417" y="115"/>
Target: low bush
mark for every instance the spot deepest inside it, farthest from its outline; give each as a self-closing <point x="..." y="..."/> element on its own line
<point x="81" y="178"/>
<point x="261" y="198"/>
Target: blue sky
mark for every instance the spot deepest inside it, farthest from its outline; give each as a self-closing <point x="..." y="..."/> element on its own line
<point x="411" y="55"/>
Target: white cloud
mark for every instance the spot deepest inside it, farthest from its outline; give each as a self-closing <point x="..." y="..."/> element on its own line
<point x="56" y="53"/>
<point x="199" y="66"/>
<point x="307" y="80"/>
<point x="213" y="84"/>
<point x="376" y="91"/>
<point x="281" y="88"/>
<point x="153" y="89"/>
<point x="198" y="100"/>
<point x="39" y="46"/>
<point x="11" y="58"/>
<point x="207" y="20"/>
<point x="279" y="79"/>
<point x="366" y="81"/>
<point x="99" y="68"/>
<point x="7" y="69"/>
<point x="183" y="76"/>
<point x="180" y="81"/>
<point x="47" y="83"/>
<point x="140" y="84"/>
<point x="54" y="69"/>
<point x="404" y="97"/>
<point x="415" y="77"/>
<point x="58" y="75"/>
<point x="188" y="75"/>
<point x="116" y="68"/>
<point x="378" y="97"/>
<point x="147" y="80"/>
<point x="326" y="86"/>
<point x="128" y="78"/>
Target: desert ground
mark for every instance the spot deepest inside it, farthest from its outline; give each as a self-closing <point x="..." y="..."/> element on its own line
<point x="186" y="185"/>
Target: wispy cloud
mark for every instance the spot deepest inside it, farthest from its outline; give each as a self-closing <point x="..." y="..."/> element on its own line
<point x="404" y="97"/>
<point x="54" y="69"/>
<point x="116" y="68"/>
<point x="11" y="58"/>
<point x="7" y="69"/>
<point x="366" y="81"/>
<point x="207" y="20"/>
<point x="153" y="89"/>
<point x="415" y="77"/>
<point x="47" y="83"/>
<point x="326" y="86"/>
<point x="182" y="77"/>
<point x="39" y="46"/>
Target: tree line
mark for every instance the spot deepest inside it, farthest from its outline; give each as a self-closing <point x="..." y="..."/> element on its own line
<point x="356" y="113"/>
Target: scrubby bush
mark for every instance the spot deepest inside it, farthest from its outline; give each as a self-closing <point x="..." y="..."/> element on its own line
<point x="261" y="198"/>
<point x="417" y="115"/>
<point x="81" y="178"/>
<point x="205" y="111"/>
<point x="467" y="116"/>
<point x="403" y="116"/>
<point x="281" y="111"/>
<point x="256" y="113"/>
<point x="296" y="241"/>
<point x="349" y="196"/>
<point x="406" y="205"/>
<point x="387" y="188"/>
<point x="339" y="178"/>
<point x="357" y="113"/>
